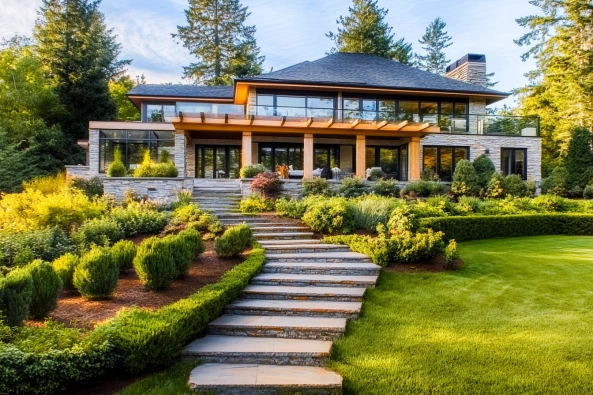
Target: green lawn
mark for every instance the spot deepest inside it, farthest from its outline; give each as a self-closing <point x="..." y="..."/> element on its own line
<point x="516" y="319"/>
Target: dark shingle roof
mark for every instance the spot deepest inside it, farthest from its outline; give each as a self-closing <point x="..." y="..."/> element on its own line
<point x="369" y="71"/>
<point x="189" y="91"/>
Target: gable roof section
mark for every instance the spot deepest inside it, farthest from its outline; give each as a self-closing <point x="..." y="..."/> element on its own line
<point x="363" y="70"/>
<point x="183" y="91"/>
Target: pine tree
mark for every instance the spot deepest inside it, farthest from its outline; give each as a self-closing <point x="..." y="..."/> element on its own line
<point x="364" y="30"/>
<point x="81" y="55"/>
<point x="225" y="48"/>
<point x="435" y="41"/>
<point x="579" y="159"/>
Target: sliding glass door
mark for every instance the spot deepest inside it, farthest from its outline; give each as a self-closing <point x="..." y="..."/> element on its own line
<point x="218" y="161"/>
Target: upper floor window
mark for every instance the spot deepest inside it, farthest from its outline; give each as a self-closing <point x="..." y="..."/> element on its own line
<point x="209" y="108"/>
<point x="160" y="112"/>
<point x="514" y="161"/>
<point x="295" y="105"/>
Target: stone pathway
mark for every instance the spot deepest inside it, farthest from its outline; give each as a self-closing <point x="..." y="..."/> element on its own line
<point x="277" y="337"/>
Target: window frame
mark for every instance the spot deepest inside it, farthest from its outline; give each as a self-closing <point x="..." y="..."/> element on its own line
<point x="402" y="156"/>
<point x="514" y="161"/>
<point x="438" y="158"/>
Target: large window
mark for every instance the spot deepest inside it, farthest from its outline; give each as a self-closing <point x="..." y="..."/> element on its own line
<point x="160" y="112"/>
<point x="295" y="105"/>
<point x="391" y="160"/>
<point x="514" y="161"/>
<point x="218" y="161"/>
<point x="272" y="155"/>
<point x="442" y="160"/>
<point x="326" y="156"/>
<point x="209" y="108"/>
<point x="132" y="145"/>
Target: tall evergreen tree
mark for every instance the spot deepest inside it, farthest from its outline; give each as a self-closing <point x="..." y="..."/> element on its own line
<point x="364" y="30"/>
<point x="224" y="46"/>
<point x="579" y="158"/>
<point x="560" y="89"/>
<point x="435" y="41"/>
<point x="81" y="55"/>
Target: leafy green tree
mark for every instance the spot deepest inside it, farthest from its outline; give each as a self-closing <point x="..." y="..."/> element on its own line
<point x="81" y="55"/>
<point x="126" y="111"/>
<point x="579" y="158"/>
<point x="435" y="40"/>
<point x="364" y="30"/>
<point x="223" y="45"/>
<point x="560" y="89"/>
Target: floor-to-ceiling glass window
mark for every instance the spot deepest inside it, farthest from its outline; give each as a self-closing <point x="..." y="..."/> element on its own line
<point x="326" y="156"/>
<point x="390" y="160"/>
<point x="278" y="154"/>
<point x="443" y="160"/>
<point x="218" y="161"/>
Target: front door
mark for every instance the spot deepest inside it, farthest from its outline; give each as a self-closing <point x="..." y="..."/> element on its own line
<point x="217" y="161"/>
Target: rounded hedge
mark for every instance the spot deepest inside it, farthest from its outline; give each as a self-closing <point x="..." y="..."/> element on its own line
<point x="124" y="252"/>
<point x="96" y="275"/>
<point x="16" y="297"/>
<point x="154" y="264"/>
<point x="64" y="266"/>
<point x="47" y="285"/>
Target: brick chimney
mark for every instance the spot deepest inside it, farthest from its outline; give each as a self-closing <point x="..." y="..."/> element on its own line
<point x="470" y="68"/>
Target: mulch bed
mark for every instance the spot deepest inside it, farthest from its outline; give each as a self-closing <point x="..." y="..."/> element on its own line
<point x="75" y="311"/>
<point x="433" y="265"/>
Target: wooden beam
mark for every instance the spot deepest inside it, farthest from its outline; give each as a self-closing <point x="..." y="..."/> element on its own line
<point x="381" y="124"/>
<point x="282" y="121"/>
<point x="355" y="122"/>
<point x="309" y="121"/>
<point x="203" y="117"/>
<point x="423" y="126"/>
<point x="330" y="122"/>
<point x="401" y="125"/>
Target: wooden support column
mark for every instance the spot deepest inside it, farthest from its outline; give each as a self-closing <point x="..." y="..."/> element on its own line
<point x="308" y="156"/>
<point x="361" y="150"/>
<point x="414" y="153"/>
<point x="246" y="149"/>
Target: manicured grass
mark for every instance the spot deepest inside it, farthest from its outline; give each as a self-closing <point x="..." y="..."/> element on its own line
<point x="516" y="319"/>
<point x="172" y="381"/>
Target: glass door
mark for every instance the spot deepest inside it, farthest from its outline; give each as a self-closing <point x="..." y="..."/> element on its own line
<point x="217" y="161"/>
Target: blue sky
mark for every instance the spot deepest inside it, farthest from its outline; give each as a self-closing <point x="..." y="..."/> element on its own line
<point x="293" y="31"/>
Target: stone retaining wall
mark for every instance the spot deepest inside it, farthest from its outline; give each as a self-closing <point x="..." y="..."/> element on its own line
<point x="162" y="189"/>
<point x="78" y="171"/>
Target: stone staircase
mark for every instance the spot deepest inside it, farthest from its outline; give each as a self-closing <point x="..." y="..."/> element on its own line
<point x="276" y="339"/>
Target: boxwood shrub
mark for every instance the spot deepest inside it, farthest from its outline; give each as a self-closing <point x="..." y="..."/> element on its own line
<point x="154" y="263"/>
<point x="17" y="295"/>
<point x="234" y="240"/>
<point x="47" y="285"/>
<point x="64" y="266"/>
<point x="124" y="252"/>
<point x="486" y="227"/>
<point x="96" y="275"/>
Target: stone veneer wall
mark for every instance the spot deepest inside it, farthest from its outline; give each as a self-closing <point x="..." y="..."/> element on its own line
<point x="252" y="102"/>
<point x="476" y="107"/>
<point x="472" y="72"/>
<point x="162" y="189"/>
<point x="78" y="171"/>
<point x="180" y="153"/>
<point x="479" y="144"/>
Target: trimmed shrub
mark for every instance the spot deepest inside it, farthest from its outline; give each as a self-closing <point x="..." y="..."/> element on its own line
<point x="96" y="275"/>
<point x="484" y="170"/>
<point x="17" y="296"/>
<point x="46" y="288"/>
<point x="64" y="266"/>
<point x="124" y="252"/>
<point x="267" y="184"/>
<point x="387" y="188"/>
<point x="251" y="171"/>
<point x="154" y="264"/>
<point x="465" y="179"/>
<point x="136" y="219"/>
<point x="184" y="247"/>
<point x="101" y="232"/>
<point x="331" y="215"/>
<point x="147" y="339"/>
<point x="292" y="208"/>
<point x="423" y="188"/>
<point x="316" y="186"/>
<point x="352" y="187"/>
<point x="515" y="186"/>
<point x="117" y="167"/>
<point x="256" y="204"/>
<point x="486" y="227"/>
<point x="234" y="240"/>
<point x="194" y="240"/>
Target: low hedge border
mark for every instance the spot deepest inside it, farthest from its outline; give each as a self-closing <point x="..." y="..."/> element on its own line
<point x="146" y="339"/>
<point x="490" y="226"/>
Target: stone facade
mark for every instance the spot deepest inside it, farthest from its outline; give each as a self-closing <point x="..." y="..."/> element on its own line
<point x="161" y="189"/>
<point x="252" y="102"/>
<point x="477" y="108"/>
<point x="93" y="152"/>
<point x="479" y="144"/>
<point x="472" y="72"/>
<point x="180" y="153"/>
<point x="78" y="171"/>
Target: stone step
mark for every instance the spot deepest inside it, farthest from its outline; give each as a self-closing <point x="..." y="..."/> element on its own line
<point x="252" y="224"/>
<point x="327" y="268"/>
<point x="305" y="248"/>
<point x="277" y="228"/>
<point x="318" y="257"/>
<point x="238" y="216"/>
<point x="275" y="292"/>
<point x="259" y="350"/>
<point x="306" y="280"/>
<point x="283" y="235"/>
<point x="314" y="328"/>
<point x="301" y="308"/>
<point x="251" y="379"/>
<point x="291" y="242"/>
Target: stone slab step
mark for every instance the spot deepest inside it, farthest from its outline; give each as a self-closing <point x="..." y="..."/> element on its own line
<point x="314" y="328"/>
<point x="305" y="249"/>
<point x="327" y="268"/>
<point x="275" y="292"/>
<point x="291" y="242"/>
<point x="319" y="257"/>
<point x="301" y="308"/>
<point x="259" y="350"/>
<point x="283" y="235"/>
<point x="252" y="224"/>
<point x="248" y="379"/>
<point x="278" y="228"/>
<point x="306" y="280"/>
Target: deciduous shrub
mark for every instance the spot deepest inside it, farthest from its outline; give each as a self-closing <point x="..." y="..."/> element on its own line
<point x="556" y="183"/>
<point x="154" y="264"/>
<point x="17" y="295"/>
<point x="316" y="186"/>
<point x="123" y="253"/>
<point x="64" y="266"/>
<point x="402" y="220"/>
<point x="375" y="174"/>
<point x="330" y="215"/>
<point x="137" y="219"/>
<point x="256" y="204"/>
<point x="251" y="171"/>
<point x="267" y="184"/>
<point x="496" y="186"/>
<point x="96" y="275"/>
<point x="292" y="208"/>
<point x="352" y="187"/>
<point x="46" y="288"/>
<point x="234" y="240"/>
<point x="465" y="179"/>
<point x="451" y="253"/>
<point x="101" y="232"/>
<point x="387" y="188"/>
<point x="554" y="203"/>
<point x="423" y="188"/>
<point x="469" y="204"/>
<point x="197" y="219"/>
<point x="515" y="186"/>
<point x="484" y="170"/>
<point x="92" y="188"/>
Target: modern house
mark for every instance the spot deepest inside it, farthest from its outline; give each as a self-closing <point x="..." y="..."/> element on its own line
<point x="347" y="112"/>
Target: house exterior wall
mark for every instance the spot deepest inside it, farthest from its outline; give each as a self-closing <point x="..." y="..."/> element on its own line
<point x="479" y="144"/>
<point x="180" y="153"/>
<point x="252" y="102"/>
<point x="161" y="189"/>
<point x="472" y="72"/>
